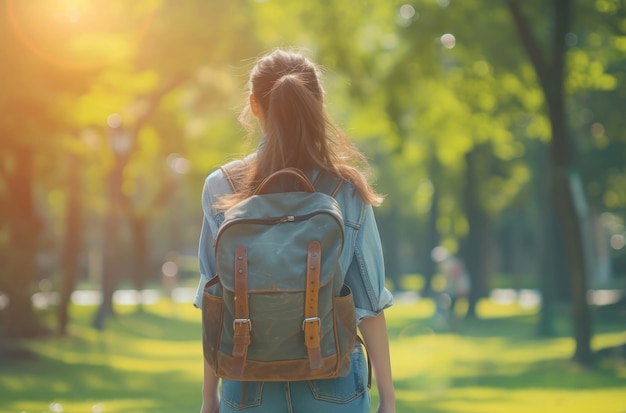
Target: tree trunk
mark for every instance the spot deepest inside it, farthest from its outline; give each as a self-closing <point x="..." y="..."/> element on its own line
<point x="576" y="259"/>
<point x="110" y="241"/>
<point x="73" y="240"/>
<point x="19" y="318"/>
<point x="546" y="241"/>
<point x="551" y="76"/>
<point x="564" y="200"/>
<point x="139" y="229"/>
<point x="475" y="244"/>
<point x="433" y="237"/>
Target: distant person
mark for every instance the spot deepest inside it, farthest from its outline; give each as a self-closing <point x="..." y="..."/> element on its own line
<point x="456" y="279"/>
<point x="287" y="98"/>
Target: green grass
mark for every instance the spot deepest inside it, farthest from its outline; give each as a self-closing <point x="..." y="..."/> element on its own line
<point x="151" y="362"/>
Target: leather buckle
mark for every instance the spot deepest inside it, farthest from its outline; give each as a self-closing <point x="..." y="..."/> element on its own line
<point x="242" y="321"/>
<point x="312" y="320"/>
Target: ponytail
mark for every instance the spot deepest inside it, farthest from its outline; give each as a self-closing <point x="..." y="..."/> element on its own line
<point x="295" y="127"/>
<point x="298" y="133"/>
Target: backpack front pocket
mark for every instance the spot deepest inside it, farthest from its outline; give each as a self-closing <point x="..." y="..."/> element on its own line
<point x="345" y="327"/>
<point x="212" y="318"/>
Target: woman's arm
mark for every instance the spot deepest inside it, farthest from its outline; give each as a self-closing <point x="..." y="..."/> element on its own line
<point x="374" y="331"/>
<point x="210" y="395"/>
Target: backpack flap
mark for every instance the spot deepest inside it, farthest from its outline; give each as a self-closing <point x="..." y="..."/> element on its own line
<point x="278" y="242"/>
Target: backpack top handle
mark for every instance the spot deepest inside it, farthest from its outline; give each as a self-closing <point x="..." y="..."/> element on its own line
<point x="292" y="172"/>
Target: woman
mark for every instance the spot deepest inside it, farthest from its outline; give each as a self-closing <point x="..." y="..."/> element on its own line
<point x="287" y="99"/>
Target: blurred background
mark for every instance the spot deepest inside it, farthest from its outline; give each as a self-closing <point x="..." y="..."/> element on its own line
<point x="496" y="130"/>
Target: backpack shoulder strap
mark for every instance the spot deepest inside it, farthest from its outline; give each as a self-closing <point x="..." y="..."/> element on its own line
<point x="229" y="170"/>
<point x="327" y="183"/>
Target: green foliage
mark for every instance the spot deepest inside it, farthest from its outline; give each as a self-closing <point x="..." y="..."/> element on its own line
<point x="415" y="99"/>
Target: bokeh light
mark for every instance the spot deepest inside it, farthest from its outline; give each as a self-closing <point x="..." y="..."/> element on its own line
<point x="597" y="129"/>
<point x="618" y="241"/>
<point x="56" y="407"/>
<point x="178" y="164"/>
<point x="170" y="269"/>
<point x="448" y="40"/>
<point x="114" y="120"/>
<point x="407" y="11"/>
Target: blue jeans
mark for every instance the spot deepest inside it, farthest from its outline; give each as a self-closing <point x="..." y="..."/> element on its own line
<point x="347" y="394"/>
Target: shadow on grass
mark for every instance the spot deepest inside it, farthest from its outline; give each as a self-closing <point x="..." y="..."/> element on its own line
<point x="438" y="393"/>
<point x="516" y="327"/>
<point x="519" y="327"/>
<point x="154" y="326"/>
<point x="524" y="327"/>
<point x="548" y="374"/>
<point x="433" y="396"/>
<point x="90" y="366"/>
<point x="49" y="380"/>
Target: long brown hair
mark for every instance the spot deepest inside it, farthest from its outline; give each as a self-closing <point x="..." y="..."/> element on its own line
<point x="298" y="133"/>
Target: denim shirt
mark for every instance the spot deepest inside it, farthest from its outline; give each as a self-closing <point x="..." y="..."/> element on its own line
<point x="361" y="259"/>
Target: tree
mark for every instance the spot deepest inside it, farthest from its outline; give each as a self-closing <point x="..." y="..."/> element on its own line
<point x="30" y="126"/>
<point x="551" y="76"/>
<point x="70" y="67"/>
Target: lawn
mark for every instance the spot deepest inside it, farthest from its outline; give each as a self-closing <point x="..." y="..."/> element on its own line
<point x="150" y="361"/>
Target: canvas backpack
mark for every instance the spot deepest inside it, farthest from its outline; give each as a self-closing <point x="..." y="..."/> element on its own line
<point x="278" y="309"/>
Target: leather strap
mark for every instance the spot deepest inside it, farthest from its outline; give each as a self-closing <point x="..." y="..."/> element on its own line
<point x="229" y="178"/>
<point x="327" y="183"/>
<point x="295" y="173"/>
<point x="337" y="188"/>
<point x="228" y="169"/>
<point x="312" y="323"/>
<point x="241" y="324"/>
<point x="214" y="280"/>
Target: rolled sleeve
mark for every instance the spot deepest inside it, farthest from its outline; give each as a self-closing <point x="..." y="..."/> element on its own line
<point x="366" y="274"/>
<point x="206" y="260"/>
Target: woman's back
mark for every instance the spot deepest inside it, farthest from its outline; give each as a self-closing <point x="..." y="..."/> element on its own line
<point x="286" y="97"/>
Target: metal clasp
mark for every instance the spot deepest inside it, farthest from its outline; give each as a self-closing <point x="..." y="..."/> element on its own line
<point x="288" y="218"/>
<point x="312" y="320"/>
<point x="242" y="321"/>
